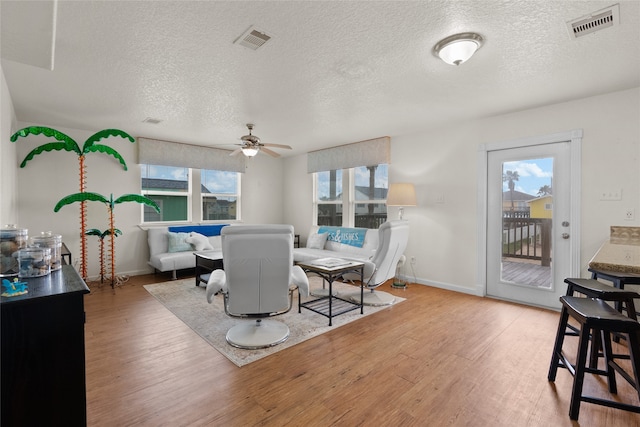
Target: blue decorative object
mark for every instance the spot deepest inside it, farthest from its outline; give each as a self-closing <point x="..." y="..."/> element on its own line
<point x="205" y="230"/>
<point x="346" y="236"/>
<point x="14" y="288"/>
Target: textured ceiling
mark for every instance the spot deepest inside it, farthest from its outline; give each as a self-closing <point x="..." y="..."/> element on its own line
<point x="333" y="72"/>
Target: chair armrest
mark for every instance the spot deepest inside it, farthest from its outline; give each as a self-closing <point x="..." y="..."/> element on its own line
<point x="300" y="279"/>
<point x="217" y="283"/>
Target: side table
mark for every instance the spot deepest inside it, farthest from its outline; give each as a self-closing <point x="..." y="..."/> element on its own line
<point x="330" y="269"/>
<point x="206" y="262"/>
<point x="65" y="255"/>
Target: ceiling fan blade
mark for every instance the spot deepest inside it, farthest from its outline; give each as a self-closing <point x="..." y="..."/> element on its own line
<point x="236" y="151"/>
<point x="287" y="147"/>
<point x="269" y="152"/>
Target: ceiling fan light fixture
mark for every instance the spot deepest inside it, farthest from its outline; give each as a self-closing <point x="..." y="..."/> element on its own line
<point x="250" y="151"/>
<point x="458" y="48"/>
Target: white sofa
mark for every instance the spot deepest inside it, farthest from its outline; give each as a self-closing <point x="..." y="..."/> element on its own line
<point x="333" y="249"/>
<point x="380" y="252"/>
<point x="161" y="259"/>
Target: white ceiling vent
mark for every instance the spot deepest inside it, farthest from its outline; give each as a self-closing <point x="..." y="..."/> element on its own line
<point x="252" y="38"/>
<point x="596" y="21"/>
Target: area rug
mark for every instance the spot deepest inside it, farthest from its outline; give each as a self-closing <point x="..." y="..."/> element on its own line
<point x="189" y="304"/>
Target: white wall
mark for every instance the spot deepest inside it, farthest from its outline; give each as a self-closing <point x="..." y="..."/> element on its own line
<point x="443" y="161"/>
<point x="51" y="176"/>
<point x="8" y="164"/>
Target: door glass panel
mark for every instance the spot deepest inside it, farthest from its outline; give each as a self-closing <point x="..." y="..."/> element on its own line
<point x="527" y="215"/>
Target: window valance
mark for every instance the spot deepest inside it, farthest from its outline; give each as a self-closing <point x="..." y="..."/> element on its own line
<point x="166" y="153"/>
<point x="365" y="153"/>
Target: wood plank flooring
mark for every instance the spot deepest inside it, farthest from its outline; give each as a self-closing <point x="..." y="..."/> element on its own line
<point x="438" y="358"/>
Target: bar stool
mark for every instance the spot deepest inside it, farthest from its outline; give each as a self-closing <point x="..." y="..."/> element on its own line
<point x="596" y="315"/>
<point x="618" y="279"/>
<point x="592" y="288"/>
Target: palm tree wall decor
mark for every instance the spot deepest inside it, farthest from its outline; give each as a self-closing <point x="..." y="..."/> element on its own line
<point x="110" y="202"/>
<point x="101" y="235"/>
<point x="66" y="143"/>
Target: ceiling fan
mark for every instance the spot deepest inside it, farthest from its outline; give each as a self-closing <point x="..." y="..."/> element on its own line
<point x="251" y="145"/>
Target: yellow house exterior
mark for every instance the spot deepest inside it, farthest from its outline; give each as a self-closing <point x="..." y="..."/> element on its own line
<point x="542" y="207"/>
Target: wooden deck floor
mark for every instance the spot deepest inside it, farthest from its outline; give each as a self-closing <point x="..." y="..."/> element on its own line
<point x="526" y="273"/>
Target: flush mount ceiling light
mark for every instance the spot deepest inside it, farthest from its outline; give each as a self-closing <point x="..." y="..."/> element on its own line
<point x="458" y="48"/>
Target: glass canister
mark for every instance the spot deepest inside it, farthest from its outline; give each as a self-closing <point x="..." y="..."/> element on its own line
<point x="46" y="239"/>
<point x="34" y="262"/>
<point x="12" y="239"/>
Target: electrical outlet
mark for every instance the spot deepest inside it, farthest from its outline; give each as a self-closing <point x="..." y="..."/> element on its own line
<point x="629" y="214"/>
<point x="413" y="260"/>
<point x="628" y="257"/>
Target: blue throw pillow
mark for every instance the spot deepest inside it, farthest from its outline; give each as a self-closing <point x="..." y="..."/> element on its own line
<point x="177" y="242"/>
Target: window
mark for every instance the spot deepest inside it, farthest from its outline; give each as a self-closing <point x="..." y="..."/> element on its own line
<point x="370" y="193"/>
<point x="352" y="197"/>
<point x="174" y="189"/>
<point x="219" y="194"/>
<point x="328" y="199"/>
<point x="170" y="188"/>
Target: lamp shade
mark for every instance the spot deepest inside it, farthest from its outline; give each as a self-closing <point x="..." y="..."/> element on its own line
<point x="401" y="194"/>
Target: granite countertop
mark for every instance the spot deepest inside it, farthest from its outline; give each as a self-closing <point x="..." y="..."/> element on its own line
<point x="621" y="253"/>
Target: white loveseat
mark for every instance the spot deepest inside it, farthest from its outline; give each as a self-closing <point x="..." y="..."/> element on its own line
<point x="176" y="252"/>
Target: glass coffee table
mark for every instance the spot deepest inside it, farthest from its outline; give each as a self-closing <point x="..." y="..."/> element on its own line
<point x="330" y="269"/>
<point x="206" y="262"/>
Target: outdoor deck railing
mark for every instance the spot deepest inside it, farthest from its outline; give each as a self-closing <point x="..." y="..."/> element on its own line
<point x="528" y="238"/>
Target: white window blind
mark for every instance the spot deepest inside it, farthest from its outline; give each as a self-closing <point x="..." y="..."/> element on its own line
<point x="365" y="153"/>
<point x="166" y="153"/>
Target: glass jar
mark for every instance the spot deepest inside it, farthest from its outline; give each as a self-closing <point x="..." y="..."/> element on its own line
<point x="34" y="262"/>
<point x="12" y="239"/>
<point x="46" y="239"/>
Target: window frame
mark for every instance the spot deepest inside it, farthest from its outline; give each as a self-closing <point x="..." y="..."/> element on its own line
<point x="237" y="195"/>
<point x="348" y="201"/>
<point x="186" y="194"/>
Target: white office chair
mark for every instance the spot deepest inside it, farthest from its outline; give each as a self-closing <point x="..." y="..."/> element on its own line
<point x="258" y="282"/>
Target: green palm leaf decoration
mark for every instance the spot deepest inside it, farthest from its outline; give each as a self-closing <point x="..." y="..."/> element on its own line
<point x="64" y="142"/>
<point x="110" y="202"/>
<point x="91" y="146"/>
<point x="138" y="199"/>
<point x="106" y="150"/>
<point x="80" y="197"/>
<point x="38" y="130"/>
<point x="52" y="146"/>
<point x="106" y="133"/>
<point x="101" y="235"/>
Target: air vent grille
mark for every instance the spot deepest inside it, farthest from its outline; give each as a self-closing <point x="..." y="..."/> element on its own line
<point x="597" y="21"/>
<point x="252" y="39"/>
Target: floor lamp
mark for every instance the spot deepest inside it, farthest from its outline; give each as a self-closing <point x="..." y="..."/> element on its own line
<point x="401" y="194"/>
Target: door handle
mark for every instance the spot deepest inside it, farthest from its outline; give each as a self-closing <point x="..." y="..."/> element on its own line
<point x="565" y="235"/>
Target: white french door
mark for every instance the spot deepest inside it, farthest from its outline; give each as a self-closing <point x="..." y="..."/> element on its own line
<point x="531" y="240"/>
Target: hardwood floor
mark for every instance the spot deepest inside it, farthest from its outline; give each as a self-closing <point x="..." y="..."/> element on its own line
<point x="438" y="358"/>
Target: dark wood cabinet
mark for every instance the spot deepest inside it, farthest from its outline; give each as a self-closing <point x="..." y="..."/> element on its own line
<point x="43" y="354"/>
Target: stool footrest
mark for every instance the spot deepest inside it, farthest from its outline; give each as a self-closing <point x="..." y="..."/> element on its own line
<point x="611" y="404"/>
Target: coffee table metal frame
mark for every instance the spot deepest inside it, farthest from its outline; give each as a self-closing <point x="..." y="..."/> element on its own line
<point x="331" y="305"/>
